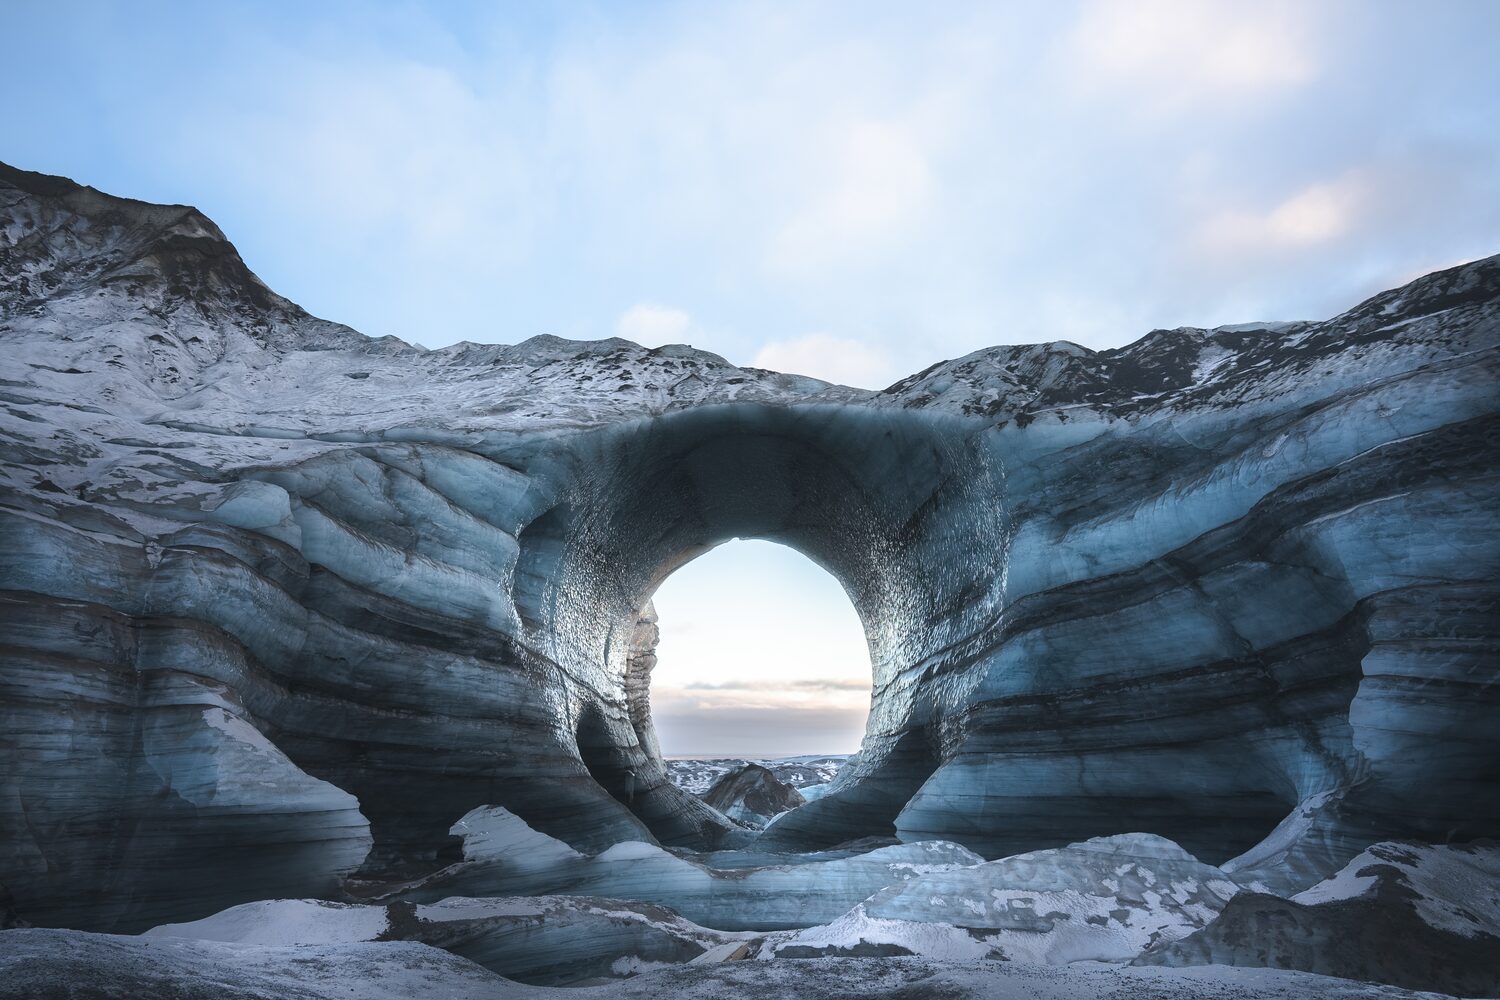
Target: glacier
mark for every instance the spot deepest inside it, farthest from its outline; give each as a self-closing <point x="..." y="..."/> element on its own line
<point x="295" y="613"/>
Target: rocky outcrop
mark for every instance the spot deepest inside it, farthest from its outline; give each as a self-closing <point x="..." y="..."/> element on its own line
<point x="752" y="795"/>
<point x="275" y="593"/>
<point x="698" y="774"/>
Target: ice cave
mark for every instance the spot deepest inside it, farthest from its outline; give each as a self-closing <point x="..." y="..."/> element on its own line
<point x="1184" y="653"/>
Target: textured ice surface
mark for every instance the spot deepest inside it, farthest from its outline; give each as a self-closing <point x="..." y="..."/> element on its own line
<point x="534" y="939"/>
<point x="284" y="922"/>
<point x="47" y="964"/>
<point x="1186" y="587"/>
<point x="1103" y="900"/>
<point x="1421" y="916"/>
<point x="495" y="834"/>
<point x="753" y="892"/>
<point x="1454" y="888"/>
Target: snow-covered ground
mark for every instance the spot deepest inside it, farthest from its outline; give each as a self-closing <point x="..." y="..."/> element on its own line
<point x="1107" y="899"/>
<point x="48" y="964"/>
<point x="1421" y="917"/>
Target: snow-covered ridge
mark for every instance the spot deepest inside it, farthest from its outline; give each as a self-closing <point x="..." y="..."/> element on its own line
<point x="1193" y="366"/>
<point x="149" y="311"/>
<point x="1422" y="916"/>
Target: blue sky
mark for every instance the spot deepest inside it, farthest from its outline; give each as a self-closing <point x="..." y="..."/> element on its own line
<point x="851" y="191"/>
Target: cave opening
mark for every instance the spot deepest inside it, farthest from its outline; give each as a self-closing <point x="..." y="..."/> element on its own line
<point x="759" y="655"/>
<point x="883" y="503"/>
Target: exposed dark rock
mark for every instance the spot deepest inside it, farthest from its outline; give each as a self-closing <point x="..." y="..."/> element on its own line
<point x="752" y="795"/>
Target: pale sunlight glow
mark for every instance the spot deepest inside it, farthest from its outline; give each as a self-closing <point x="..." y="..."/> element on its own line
<point x="761" y="655"/>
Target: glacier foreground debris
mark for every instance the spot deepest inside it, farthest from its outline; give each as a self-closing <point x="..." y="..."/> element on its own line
<point x="1420" y="916"/>
<point x="547" y="940"/>
<point x="1104" y="900"/>
<point x="45" y="964"/>
<point x="729" y="890"/>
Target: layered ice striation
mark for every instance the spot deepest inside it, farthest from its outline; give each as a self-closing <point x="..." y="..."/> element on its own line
<point x="283" y="603"/>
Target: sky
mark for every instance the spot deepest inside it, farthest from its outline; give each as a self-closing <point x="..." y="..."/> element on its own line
<point x="851" y="191"/>
<point x="846" y="190"/>
<point x="761" y="654"/>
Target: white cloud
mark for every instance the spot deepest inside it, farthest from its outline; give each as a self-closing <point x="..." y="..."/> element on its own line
<point x="1318" y="214"/>
<point x="834" y="359"/>
<point x="875" y="189"/>
<point x="652" y="325"/>
<point x="1172" y="55"/>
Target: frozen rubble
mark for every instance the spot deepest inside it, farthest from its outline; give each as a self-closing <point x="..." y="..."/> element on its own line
<point x="1421" y="916"/>
<point x="1104" y="900"/>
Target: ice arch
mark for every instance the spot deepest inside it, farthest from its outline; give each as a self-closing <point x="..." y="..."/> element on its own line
<point x="904" y="510"/>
